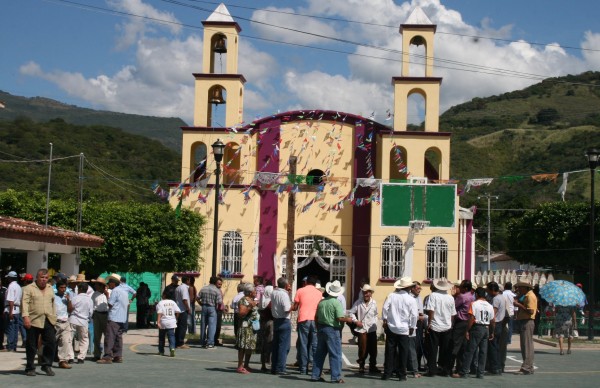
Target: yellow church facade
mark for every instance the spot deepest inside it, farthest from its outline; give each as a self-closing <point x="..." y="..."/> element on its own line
<point x="367" y="196"/>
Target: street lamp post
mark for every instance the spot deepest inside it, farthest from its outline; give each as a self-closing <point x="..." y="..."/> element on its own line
<point x="218" y="149"/>
<point x="592" y="156"/>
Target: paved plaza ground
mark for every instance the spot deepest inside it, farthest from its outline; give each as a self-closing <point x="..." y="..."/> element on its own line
<point x="205" y="368"/>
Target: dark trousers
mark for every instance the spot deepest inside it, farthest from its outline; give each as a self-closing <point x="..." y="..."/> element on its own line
<point x="2" y="328"/>
<point x="113" y="340"/>
<point x="396" y="344"/>
<point x="48" y="334"/>
<point x="141" y="316"/>
<point x="478" y="342"/>
<point x="459" y="343"/>
<point x="100" y="321"/>
<point x="367" y="346"/>
<point x="496" y="361"/>
<point x="219" y="324"/>
<point x="181" y="330"/>
<point x="420" y="344"/>
<point x="439" y="341"/>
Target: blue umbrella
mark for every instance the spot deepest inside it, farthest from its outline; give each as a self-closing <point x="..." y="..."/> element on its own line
<point x="562" y="293"/>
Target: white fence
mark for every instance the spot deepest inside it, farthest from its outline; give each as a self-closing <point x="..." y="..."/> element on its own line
<point x="501" y="277"/>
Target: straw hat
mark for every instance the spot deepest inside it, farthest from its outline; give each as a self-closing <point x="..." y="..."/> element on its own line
<point x="100" y="280"/>
<point x="81" y="278"/>
<point x="72" y="279"/>
<point x="442" y="284"/>
<point x="114" y="276"/>
<point x="366" y="288"/>
<point x="523" y="284"/>
<point x="334" y="288"/>
<point x="404" y="282"/>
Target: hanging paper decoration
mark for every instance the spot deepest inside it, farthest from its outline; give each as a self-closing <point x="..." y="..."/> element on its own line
<point x="562" y="190"/>
<point x="478" y="182"/>
<point x="545" y="177"/>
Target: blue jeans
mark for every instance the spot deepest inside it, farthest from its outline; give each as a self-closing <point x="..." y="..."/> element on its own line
<point x="282" y="336"/>
<point x="12" y="331"/>
<point x="209" y="319"/>
<point x="170" y="333"/>
<point x="328" y="343"/>
<point x="307" y="336"/>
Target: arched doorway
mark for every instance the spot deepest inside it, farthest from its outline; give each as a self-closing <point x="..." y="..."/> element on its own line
<point x="319" y="256"/>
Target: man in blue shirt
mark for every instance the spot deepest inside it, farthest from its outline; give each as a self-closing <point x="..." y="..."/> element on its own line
<point x="130" y="292"/>
<point x="117" y="316"/>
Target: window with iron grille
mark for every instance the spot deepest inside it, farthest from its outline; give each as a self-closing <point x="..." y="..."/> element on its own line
<point x="231" y="253"/>
<point x="392" y="258"/>
<point x="437" y="258"/>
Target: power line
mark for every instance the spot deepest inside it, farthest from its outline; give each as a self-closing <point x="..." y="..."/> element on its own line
<point x="474" y="67"/>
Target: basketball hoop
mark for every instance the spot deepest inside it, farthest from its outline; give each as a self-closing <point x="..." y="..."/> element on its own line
<point x="417" y="225"/>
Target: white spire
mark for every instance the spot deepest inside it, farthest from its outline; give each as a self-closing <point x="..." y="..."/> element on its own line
<point x="417" y="16"/>
<point x="221" y="14"/>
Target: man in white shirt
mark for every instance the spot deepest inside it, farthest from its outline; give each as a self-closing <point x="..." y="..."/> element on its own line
<point x="480" y="330"/>
<point x="364" y="315"/>
<point x="12" y="311"/>
<point x="497" y="350"/>
<point x="416" y="338"/>
<point x="510" y="298"/>
<point x="167" y="314"/>
<point x="64" y="332"/>
<point x="182" y="298"/>
<point x="82" y="307"/>
<point x="281" y="304"/>
<point x="440" y="309"/>
<point x="400" y="314"/>
<point x="100" y="315"/>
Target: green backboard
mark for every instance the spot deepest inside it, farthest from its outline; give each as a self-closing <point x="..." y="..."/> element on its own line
<point x="405" y="202"/>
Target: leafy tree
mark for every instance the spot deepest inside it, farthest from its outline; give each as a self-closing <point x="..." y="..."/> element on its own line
<point x="547" y="116"/>
<point x="553" y="235"/>
<point x="138" y="237"/>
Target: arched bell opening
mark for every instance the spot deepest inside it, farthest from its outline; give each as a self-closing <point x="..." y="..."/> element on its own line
<point x="218" y="51"/>
<point x="217" y="100"/>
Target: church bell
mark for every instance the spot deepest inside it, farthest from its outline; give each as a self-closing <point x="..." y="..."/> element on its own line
<point x="220" y="45"/>
<point x="217" y="97"/>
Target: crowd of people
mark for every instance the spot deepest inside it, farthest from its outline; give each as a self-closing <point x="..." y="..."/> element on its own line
<point x="457" y="330"/>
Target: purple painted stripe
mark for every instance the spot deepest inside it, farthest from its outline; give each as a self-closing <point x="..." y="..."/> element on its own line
<point x="267" y="240"/>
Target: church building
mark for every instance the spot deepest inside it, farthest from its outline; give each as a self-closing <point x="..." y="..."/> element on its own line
<point x="370" y="201"/>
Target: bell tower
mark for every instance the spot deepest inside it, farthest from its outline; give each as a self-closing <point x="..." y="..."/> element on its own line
<point x="219" y="84"/>
<point x="418" y="30"/>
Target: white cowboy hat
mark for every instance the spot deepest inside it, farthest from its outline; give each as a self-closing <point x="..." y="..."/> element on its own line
<point x="114" y="276"/>
<point x="366" y="288"/>
<point x="404" y="282"/>
<point x="334" y="288"/>
<point x="442" y="284"/>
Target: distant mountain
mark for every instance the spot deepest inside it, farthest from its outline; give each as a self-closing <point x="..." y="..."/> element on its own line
<point x="118" y="165"/>
<point x="40" y="109"/>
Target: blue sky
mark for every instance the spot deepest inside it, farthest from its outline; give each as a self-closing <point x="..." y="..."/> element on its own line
<point x="104" y="58"/>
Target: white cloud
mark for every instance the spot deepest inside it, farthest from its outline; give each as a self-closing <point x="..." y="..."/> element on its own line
<point x="136" y="27"/>
<point x="592" y="42"/>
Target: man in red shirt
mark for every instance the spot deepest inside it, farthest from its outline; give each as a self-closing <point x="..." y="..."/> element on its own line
<point x="307" y="299"/>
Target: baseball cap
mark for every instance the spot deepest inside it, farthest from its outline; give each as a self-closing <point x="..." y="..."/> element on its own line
<point x="11" y="274"/>
<point x="28" y="277"/>
<point x="60" y="276"/>
<point x="174" y="277"/>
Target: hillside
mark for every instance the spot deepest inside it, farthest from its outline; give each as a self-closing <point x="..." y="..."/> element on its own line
<point x="39" y="109"/>
<point x="118" y="165"/>
<point x="545" y="128"/>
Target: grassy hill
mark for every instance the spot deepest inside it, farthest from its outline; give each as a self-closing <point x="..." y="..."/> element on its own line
<point x="39" y="109"/>
<point x="545" y="128"/>
<point x="118" y="165"/>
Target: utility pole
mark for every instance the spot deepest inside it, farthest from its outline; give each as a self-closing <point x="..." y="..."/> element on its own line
<point x="489" y="228"/>
<point x="291" y="225"/>
<point x="80" y="205"/>
<point x="49" y="180"/>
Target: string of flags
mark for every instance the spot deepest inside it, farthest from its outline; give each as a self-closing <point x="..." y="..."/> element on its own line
<point x="307" y="131"/>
